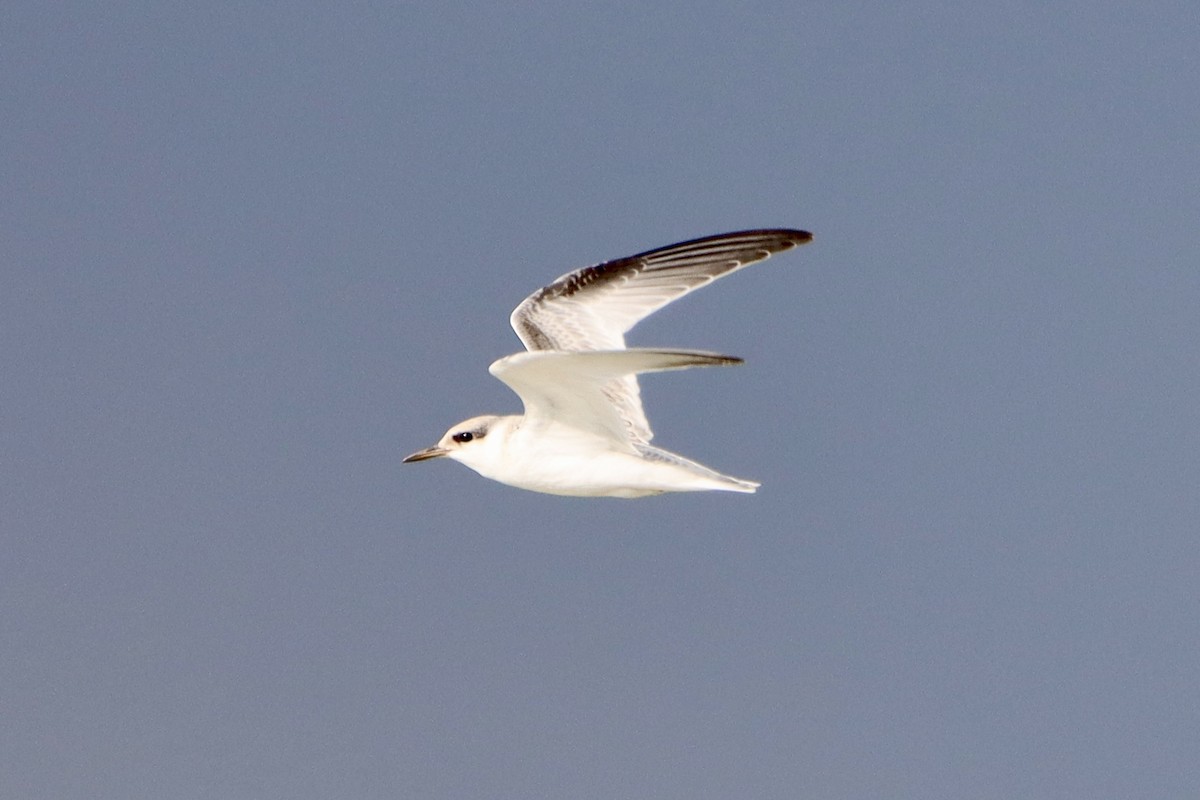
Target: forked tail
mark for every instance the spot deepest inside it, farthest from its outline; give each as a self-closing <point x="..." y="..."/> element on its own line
<point x="720" y="481"/>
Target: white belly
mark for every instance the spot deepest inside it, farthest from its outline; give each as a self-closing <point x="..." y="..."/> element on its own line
<point x="597" y="472"/>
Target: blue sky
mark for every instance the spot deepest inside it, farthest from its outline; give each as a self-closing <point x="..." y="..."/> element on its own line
<point x="256" y="255"/>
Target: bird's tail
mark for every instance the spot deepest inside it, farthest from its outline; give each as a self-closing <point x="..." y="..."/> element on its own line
<point x="720" y="482"/>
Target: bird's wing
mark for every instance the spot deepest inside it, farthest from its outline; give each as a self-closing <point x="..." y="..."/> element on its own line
<point x="593" y="307"/>
<point x="581" y="390"/>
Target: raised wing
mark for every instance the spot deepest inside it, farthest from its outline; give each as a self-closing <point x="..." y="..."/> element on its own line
<point x="583" y="390"/>
<point x="592" y="308"/>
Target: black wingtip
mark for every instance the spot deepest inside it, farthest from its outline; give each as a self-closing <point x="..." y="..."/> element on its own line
<point x="701" y="358"/>
<point x="792" y="236"/>
<point x="785" y="238"/>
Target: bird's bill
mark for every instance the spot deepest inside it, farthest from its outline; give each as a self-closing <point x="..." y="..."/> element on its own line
<point x="426" y="454"/>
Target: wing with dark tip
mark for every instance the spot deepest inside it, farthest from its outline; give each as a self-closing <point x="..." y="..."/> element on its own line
<point x="592" y="308"/>
<point x="586" y="390"/>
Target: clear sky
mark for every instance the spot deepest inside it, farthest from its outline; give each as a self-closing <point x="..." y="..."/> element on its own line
<point x="254" y="254"/>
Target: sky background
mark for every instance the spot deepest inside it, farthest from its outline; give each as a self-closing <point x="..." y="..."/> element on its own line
<point x="254" y="254"/>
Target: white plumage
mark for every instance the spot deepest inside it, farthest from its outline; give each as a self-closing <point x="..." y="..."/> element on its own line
<point x="584" y="431"/>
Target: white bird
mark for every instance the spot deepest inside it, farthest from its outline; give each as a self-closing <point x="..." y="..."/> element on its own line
<point x="583" y="432"/>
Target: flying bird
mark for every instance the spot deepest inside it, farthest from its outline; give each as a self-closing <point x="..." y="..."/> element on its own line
<point x="584" y="432"/>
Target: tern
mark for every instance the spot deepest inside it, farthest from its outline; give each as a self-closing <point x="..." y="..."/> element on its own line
<point x="584" y="432"/>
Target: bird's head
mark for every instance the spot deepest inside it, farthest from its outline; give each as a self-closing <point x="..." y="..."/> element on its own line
<point x="466" y="442"/>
